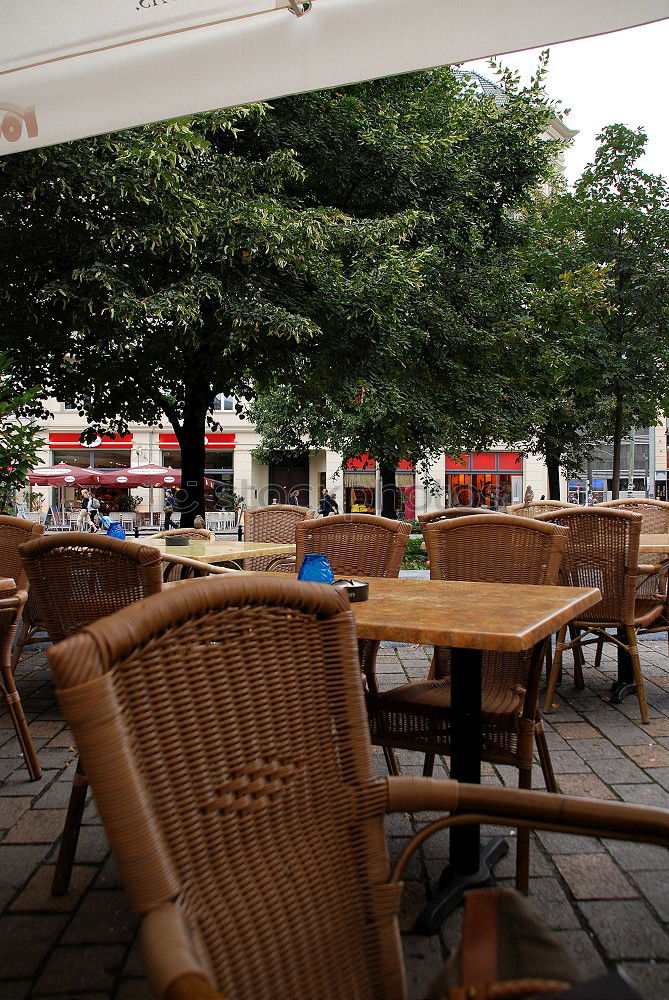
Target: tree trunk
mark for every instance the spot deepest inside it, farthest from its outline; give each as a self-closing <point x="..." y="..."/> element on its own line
<point x="617" y="438"/>
<point x="389" y="491"/>
<point x="553" y="467"/>
<point x="191" y="441"/>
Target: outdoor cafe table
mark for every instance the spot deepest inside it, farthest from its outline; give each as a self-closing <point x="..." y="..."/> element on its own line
<point x="653" y="543"/>
<point x="219" y="551"/>
<point x="471" y="618"/>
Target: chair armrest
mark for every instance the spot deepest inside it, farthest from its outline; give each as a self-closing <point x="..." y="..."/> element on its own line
<point x="282" y="564"/>
<point x="517" y="807"/>
<point x="191" y="987"/>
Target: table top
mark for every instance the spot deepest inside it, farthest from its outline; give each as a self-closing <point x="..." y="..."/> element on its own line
<point x="654" y="543"/>
<point x="487" y="616"/>
<point x="218" y="551"/>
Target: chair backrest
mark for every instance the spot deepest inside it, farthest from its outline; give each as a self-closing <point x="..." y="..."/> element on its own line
<point x="12" y="600"/>
<point x="498" y="548"/>
<point x="204" y="533"/>
<point x="602" y="551"/>
<point x="256" y="840"/>
<point x="275" y="523"/>
<point x="14" y="531"/>
<point x="355" y="544"/>
<point x="654" y="513"/>
<point x="448" y="512"/>
<point x="77" y="577"/>
<point x="536" y="507"/>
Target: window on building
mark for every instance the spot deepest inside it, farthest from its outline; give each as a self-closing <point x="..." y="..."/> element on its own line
<point x="218" y="468"/>
<point x="222" y="402"/>
<point x="82" y="458"/>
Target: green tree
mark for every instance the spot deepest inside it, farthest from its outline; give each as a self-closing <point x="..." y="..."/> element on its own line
<point x="617" y="219"/>
<point x="19" y="436"/>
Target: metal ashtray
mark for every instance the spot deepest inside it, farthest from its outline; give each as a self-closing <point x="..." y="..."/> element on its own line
<point x="177" y="539"/>
<point x="357" y="590"/>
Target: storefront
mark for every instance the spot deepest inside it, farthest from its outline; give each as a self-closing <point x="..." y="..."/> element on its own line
<point x="360" y="487"/>
<point x="107" y="452"/>
<point x="219" y="455"/>
<point x="484" y="479"/>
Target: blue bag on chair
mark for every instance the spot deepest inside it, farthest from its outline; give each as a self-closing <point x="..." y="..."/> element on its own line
<point x="116" y="530"/>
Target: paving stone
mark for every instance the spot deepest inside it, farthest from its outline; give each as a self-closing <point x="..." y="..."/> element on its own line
<point x="551" y="903"/>
<point x="568" y="843"/>
<point x="18" y="863"/>
<point x="618" y="769"/>
<point x="56" y="796"/>
<point x="47" y="729"/>
<point x="647" y="795"/>
<point x="655" y="887"/>
<point x="424" y="960"/>
<point x="588" y="785"/>
<point x="594" y="749"/>
<point x="568" y="762"/>
<point x="110" y="878"/>
<point x="11" y="811"/>
<point x="626" y="929"/>
<point x="650" y="979"/>
<point x="649" y="756"/>
<point x="134" y="966"/>
<point x="38" y="826"/>
<point x="88" y="967"/>
<point x="37" y="894"/>
<point x="594" y="876"/>
<point x="103" y="917"/>
<point x="18" y="782"/>
<point x="632" y="856"/>
<point x="626" y="735"/>
<point x="93" y="846"/>
<point x="579" y="945"/>
<point x="657" y="727"/>
<point x="576" y="731"/>
<point x="25" y="941"/>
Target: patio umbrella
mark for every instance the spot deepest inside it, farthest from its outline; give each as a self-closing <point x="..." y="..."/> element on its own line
<point x="63" y="475"/>
<point x="148" y="476"/>
<point x="84" y="67"/>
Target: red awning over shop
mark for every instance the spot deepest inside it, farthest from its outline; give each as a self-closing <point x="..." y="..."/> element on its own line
<point x="58" y="439"/>
<point x="215" y="442"/>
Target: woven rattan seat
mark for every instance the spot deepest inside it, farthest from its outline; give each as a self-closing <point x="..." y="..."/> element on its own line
<point x="275" y="524"/>
<point x="485" y="547"/>
<point x="76" y="578"/>
<point x="252" y="845"/>
<point x="536" y="507"/>
<point x="603" y="549"/>
<point x="204" y="533"/>
<point x="13" y="532"/>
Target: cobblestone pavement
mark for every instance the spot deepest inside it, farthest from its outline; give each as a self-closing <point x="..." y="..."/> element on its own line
<point x="608" y="902"/>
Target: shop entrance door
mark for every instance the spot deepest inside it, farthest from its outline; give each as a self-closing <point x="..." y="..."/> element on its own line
<point x="287" y="476"/>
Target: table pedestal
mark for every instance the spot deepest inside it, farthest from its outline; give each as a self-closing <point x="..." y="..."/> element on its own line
<point x="624" y="685"/>
<point x="470" y="866"/>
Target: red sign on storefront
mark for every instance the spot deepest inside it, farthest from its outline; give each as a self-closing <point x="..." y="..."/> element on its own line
<point x="71" y="440"/>
<point x="220" y="442"/>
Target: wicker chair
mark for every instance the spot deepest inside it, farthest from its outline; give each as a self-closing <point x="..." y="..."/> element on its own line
<point x="448" y="512"/>
<point x="253" y="846"/>
<point x="13" y="532"/>
<point x="417" y="716"/>
<point x="12" y="603"/>
<point x="275" y="523"/>
<point x="655" y="568"/>
<point x="536" y="507"/>
<point x="76" y="578"/>
<point x="204" y="534"/>
<point x="603" y="551"/>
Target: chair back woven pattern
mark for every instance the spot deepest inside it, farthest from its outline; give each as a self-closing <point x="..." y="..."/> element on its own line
<point x="654" y="514"/>
<point x="275" y="523"/>
<point x="355" y="544"/>
<point x="10" y="609"/>
<point x="14" y="531"/>
<point x="227" y="718"/>
<point x="77" y="577"/>
<point x="495" y="548"/>
<point x="448" y="512"/>
<point x="203" y="533"/>
<point x="536" y="507"/>
<point x="602" y="551"/>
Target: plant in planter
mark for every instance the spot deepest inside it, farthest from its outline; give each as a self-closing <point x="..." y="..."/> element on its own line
<point x="128" y="503"/>
<point x="33" y="501"/>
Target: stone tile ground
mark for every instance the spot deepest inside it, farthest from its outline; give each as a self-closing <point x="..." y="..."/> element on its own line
<point x="607" y="901"/>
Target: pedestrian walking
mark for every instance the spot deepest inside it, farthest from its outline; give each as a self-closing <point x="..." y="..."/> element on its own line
<point x="328" y="504"/>
<point x="90" y="507"/>
<point x="294" y="498"/>
<point x="169" y="507"/>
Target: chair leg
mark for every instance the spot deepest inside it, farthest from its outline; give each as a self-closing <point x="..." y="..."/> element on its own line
<point x="523" y="841"/>
<point x="638" y="676"/>
<point x="579" y="659"/>
<point x="555" y="670"/>
<point x="21" y="640"/>
<point x="13" y="701"/>
<point x="391" y="761"/>
<point x="549" y="657"/>
<point x="428" y="765"/>
<point x="68" y="844"/>
<point x="545" y="757"/>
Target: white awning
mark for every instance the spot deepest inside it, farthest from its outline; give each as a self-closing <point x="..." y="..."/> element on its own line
<point x="74" y="68"/>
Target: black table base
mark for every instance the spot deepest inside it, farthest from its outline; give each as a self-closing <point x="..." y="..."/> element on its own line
<point x="624" y="685"/>
<point x="453" y="886"/>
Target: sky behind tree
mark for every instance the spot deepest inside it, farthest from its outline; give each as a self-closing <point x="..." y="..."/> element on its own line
<point x="608" y="79"/>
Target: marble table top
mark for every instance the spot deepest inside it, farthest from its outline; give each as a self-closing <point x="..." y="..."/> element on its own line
<point x="218" y="551"/>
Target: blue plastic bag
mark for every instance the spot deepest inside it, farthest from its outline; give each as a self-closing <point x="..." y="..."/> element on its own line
<point x="116" y="530"/>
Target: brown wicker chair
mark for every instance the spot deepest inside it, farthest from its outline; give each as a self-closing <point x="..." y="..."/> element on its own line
<point x="536" y="507"/>
<point x="77" y="577"/>
<point x="253" y="846"/>
<point x="12" y="603"/>
<point x="603" y="551"/>
<point x="275" y="523"/>
<point x="202" y="533"/>
<point x="448" y="512"/>
<point x="13" y="532"/>
<point x="417" y="716"/>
